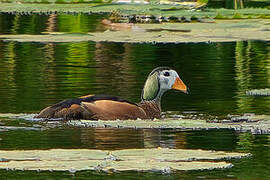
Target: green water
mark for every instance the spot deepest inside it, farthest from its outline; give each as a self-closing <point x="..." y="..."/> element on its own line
<point x="36" y="75"/>
<point x="229" y="3"/>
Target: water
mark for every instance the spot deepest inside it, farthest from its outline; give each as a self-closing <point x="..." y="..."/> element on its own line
<point x="255" y="167"/>
<point x="247" y="4"/>
<point x="36" y="75"/>
<point x="38" y="24"/>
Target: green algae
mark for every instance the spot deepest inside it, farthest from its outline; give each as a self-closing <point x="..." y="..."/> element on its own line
<point x="158" y="159"/>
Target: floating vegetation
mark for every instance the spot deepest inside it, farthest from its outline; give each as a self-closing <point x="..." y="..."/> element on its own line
<point x="256" y="124"/>
<point x="131" y="9"/>
<point x="258" y="92"/>
<point x="259" y="124"/>
<point x="7" y="128"/>
<point x="158" y="159"/>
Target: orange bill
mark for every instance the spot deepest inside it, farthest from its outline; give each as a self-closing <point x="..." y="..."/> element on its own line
<point x="179" y="85"/>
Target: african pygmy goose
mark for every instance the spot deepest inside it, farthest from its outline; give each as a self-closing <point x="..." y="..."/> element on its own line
<point x="103" y="107"/>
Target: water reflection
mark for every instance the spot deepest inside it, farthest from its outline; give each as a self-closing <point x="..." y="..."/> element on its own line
<point x="37" y="24"/>
<point x="252" y="72"/>
<point x="115" y="62"/>
<point x="35" y="75"/>
<point x="52" y="23"/>
<point x="245" y="4"/>
<point x="111" y="139"/>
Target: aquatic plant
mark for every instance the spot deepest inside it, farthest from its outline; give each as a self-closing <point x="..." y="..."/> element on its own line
<point x="131" y="9"/>
<point x="258" y="92"/>
<point x="156" y="159"/>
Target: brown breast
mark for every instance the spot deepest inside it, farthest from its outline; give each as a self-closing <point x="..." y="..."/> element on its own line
<point x="151" y="108"/>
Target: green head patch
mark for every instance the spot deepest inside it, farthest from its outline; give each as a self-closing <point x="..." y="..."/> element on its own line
<point x="151" y="87"/>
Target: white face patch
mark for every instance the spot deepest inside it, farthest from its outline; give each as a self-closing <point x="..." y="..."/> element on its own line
<point x="167" y="79"/>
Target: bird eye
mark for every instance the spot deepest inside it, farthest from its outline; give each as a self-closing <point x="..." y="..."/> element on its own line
<point x="166" y="73"/>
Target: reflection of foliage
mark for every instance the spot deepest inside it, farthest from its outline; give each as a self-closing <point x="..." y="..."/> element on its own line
<point x="76" y="59"/>
<point x="44" y="1"/>
<point x="252" y="64"/>
<point x="245" y="142"/>
<point x="243" y="75"/>
<point x="202" y="1"/>
<point x="56" y="1"/>
<point x="78" y="23"/>
<point x="60" y="1"/>
<point x="234" y="4"/>
<point x="28" y="24"/>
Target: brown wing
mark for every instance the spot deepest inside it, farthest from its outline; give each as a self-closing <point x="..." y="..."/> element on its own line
<point x="93" y="107"/>
<point x="112" y="110"/>
<point x="67" y="109"/>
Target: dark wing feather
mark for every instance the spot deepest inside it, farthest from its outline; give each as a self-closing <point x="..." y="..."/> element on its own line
<point x="74" y="108"/>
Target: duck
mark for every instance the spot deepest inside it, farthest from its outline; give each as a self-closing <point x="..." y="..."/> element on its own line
<point x="106" y="107"/>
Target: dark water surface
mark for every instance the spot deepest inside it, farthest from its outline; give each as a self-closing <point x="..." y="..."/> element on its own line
<point x="35" y="75"/>
<point x="254" y="167"/>
<point x="247" y="3"/>
<point x="38" y="24"/>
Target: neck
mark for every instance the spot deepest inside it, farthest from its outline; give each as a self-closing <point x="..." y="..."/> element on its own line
<point x="156" y="99"/>
<point x="151" y="108"/>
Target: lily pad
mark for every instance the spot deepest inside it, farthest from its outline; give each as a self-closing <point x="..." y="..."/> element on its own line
<point x="258" y="92"/>
<point x="172" y="155"/>
<point x="6" y="128"/>
<point x="131" y="9"/>
<point x="257" y="124"/>
<point x="158" y="159"/>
